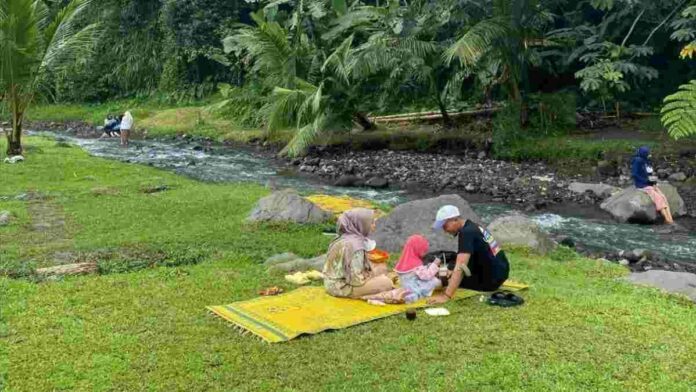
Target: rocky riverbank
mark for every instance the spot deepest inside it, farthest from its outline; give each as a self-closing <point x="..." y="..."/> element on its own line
<point x="533" y="185"/>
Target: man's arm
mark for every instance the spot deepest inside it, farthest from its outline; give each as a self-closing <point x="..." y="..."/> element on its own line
<point x="454" y="280"/>
<point x="457" y="274"/>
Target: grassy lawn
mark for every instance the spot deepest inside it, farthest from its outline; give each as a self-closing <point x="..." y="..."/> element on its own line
<point x="144" y="326"/>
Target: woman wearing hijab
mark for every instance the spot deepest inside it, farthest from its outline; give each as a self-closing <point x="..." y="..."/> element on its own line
<point x="347" y="271"/>
<point x="641" y="170"/>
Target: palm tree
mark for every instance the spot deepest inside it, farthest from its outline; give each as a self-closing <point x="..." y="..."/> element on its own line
<point x="310" y="80"/>
<point x="404" y="50"/>
<point x="507" y="37"/>
<point x="33" y="42"/>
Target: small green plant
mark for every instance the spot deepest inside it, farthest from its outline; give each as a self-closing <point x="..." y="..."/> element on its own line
<point x="552" y="114"/>
<point x="506" y="129"/>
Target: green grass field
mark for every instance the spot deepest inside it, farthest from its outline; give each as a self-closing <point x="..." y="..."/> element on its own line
<point x="142" y="325"/>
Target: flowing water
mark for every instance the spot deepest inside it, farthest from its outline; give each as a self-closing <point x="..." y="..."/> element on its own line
<point x="222" y="164"/>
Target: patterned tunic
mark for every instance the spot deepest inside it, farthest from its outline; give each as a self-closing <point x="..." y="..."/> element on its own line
<point x="339" y="280"/>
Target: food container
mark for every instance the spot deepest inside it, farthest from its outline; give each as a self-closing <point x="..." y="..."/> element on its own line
<point x="378" y="256"/>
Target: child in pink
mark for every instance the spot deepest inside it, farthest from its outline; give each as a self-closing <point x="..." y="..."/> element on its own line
<point x="418" y="280"/>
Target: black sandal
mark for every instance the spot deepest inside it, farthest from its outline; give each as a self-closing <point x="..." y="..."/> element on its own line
<point x="505" y="299"/>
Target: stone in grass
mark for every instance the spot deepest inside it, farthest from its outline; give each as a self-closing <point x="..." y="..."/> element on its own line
<point x="288" y="206"/>
<point x="14" y="159"/>
<point x="68" y="269"/>
<point x="316" y="263"/>
<point x="5" y="217"/>
<point x="150" y="189"/>
<point x="673" y="282"/>
<point x="105" y="191"/>
<point x="280" y="258"/>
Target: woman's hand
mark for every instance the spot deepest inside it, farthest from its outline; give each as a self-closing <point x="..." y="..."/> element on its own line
<point x="437" y="299"/>
<point x="437" y="262"/>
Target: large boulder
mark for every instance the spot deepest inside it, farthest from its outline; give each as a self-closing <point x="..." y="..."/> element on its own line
<point x="519" y="230"/>
<point x="288" y="206"/>
<point x="599" y="190"/>
<point x="417" y="217"/>
<point x="635" y="206"/>
<point x="673" y="282"/>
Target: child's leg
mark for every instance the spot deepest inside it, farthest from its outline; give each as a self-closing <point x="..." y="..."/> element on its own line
<point x="410" y="298"/>
<point x="396" y="296"/>
<point x="667" y="214"/>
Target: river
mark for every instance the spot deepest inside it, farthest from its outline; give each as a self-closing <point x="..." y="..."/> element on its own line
<point x="594" y="231"/>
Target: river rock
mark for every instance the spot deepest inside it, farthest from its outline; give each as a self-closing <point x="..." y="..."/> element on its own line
<point x="417" y="217"/>
<point x="377" y="182"/>
<point x="5" y="217"/>
<point x="607" y="168"/>
<point x="348" y="181"/>
<point x="635" y="206"/>
<point x="637" y="255"/>
<point x="663" y="174"/>
<point x="288" y="206"/>
<point x="519" y="230"/>
<point x="673" y="282"/>
<point x="599" y="190"/>
<point x="678" y="177"/>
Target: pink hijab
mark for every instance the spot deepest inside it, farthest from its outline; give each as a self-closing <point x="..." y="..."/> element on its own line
<point x="412" y="256"/>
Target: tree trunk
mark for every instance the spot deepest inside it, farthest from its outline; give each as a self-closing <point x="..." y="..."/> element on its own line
<point x="516" y="95"/>
<point x="447" y="122"/>
<point x="364" y="122"/>
<point x="14" y="138"/>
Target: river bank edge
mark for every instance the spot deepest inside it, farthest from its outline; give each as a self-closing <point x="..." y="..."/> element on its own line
<point x="546" y="191"/>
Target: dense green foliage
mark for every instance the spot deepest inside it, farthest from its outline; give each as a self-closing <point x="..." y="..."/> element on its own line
<point x="34" y="41"/>
<point x="324" y="65"/>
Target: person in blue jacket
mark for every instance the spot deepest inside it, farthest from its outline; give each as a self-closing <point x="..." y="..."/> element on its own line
<point x="641" y="170"/>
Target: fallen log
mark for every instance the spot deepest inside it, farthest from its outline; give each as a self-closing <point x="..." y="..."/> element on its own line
<point x="438" y="116"/>
<point x="68" y="269"/>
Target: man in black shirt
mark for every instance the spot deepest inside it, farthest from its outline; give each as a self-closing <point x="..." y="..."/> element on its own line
<point x="481" y="264"/>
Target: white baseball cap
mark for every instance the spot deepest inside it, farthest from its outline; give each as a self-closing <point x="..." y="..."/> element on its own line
<point x="445" y="213"/>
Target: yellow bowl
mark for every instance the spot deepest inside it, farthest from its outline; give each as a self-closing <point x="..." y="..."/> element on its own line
<point x="378" y="256"/>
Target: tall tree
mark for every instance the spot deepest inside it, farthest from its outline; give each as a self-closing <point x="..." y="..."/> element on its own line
<point x="509" y="34"/>
<point x="33" y="41"/>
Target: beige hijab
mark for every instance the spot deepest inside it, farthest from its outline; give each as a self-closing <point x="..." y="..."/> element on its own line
<point x="353" y="227"/>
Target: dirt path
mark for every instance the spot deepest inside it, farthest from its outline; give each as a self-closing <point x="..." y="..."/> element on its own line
<point x="47" y="223"/>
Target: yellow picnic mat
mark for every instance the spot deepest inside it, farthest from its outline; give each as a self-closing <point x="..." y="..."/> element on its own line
<point x="340" y="204"/>
<point x="309" y="310"/>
